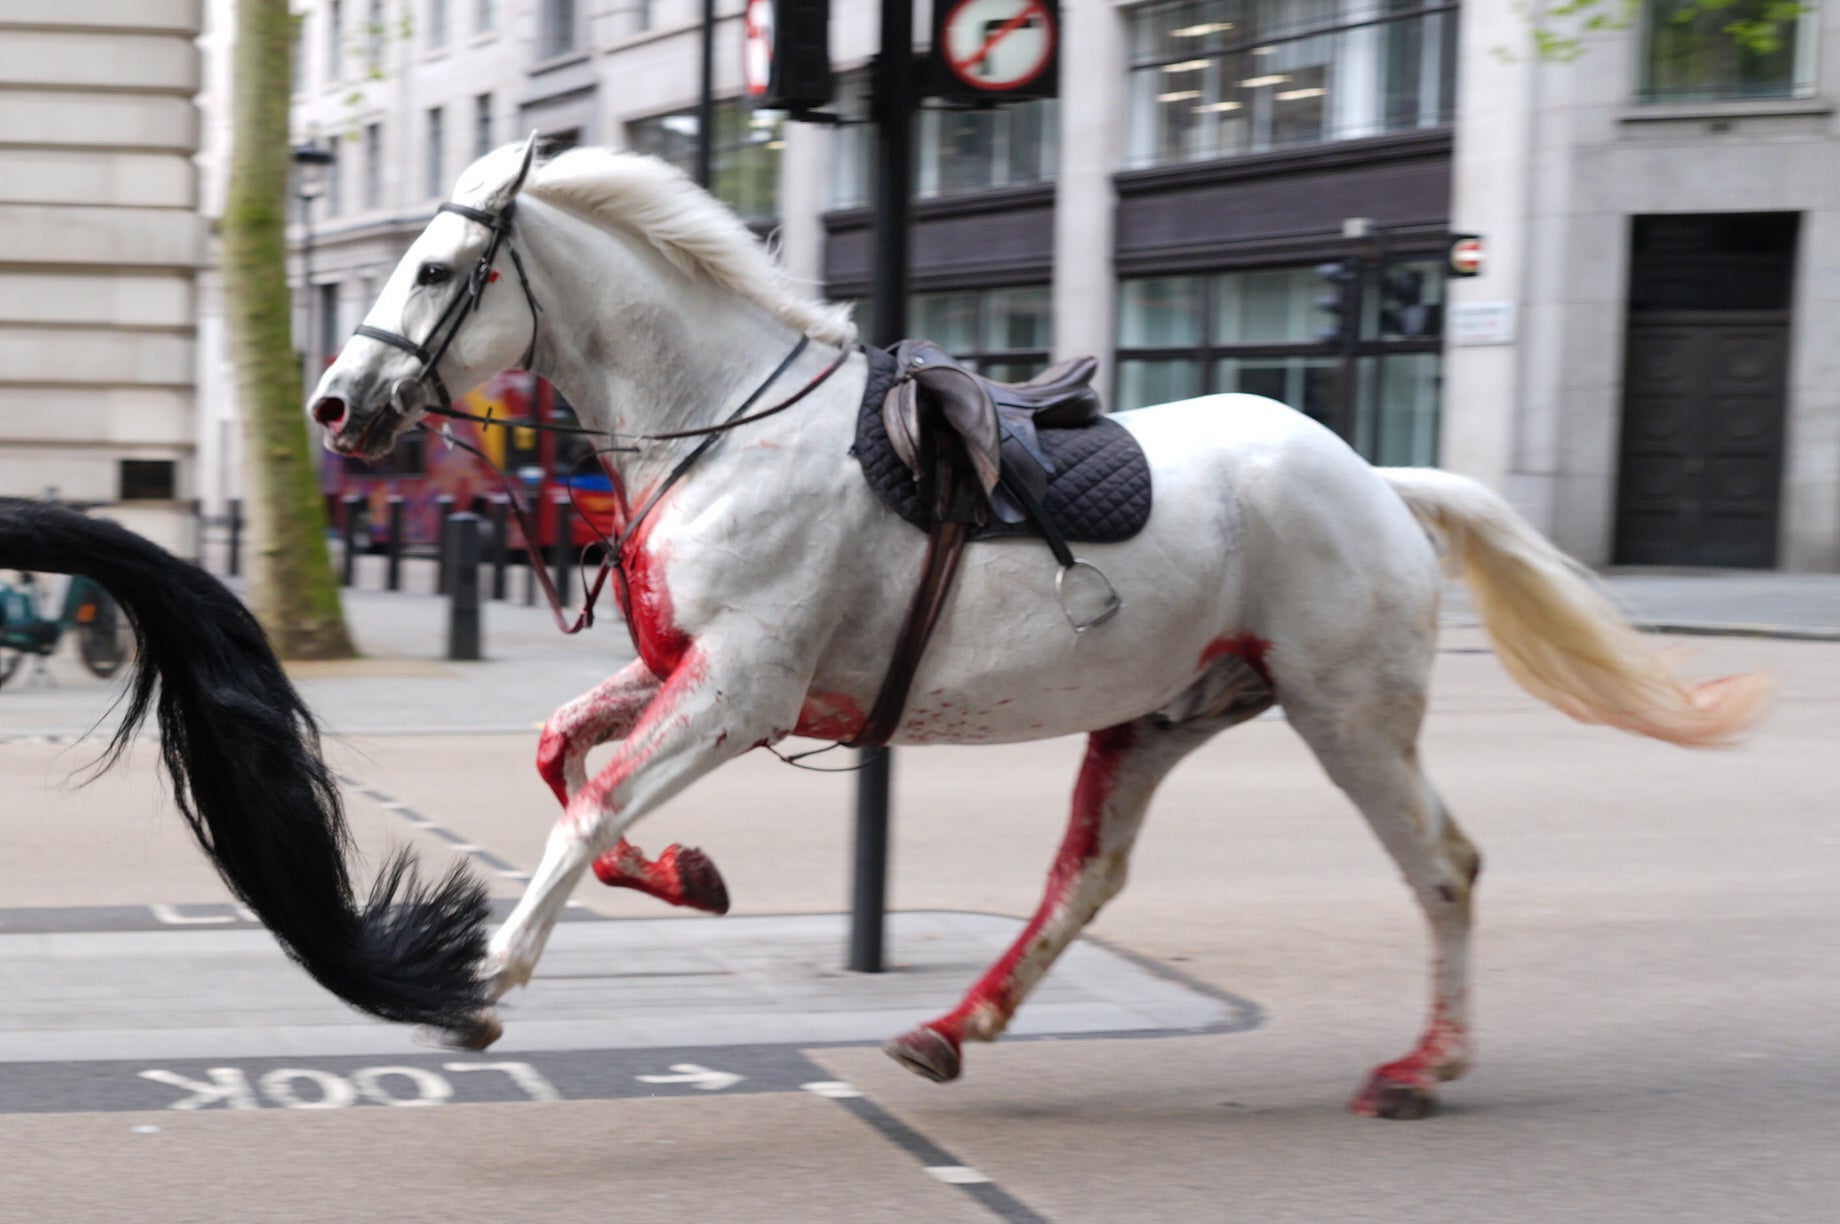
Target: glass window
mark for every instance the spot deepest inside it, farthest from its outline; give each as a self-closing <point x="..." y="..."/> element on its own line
<point x="482" y="125"/>
<point x="1005" y="333"/>
<point x="1160" y="313"/>
<point x="373" y="165"/>
<point x="744" y="161"/>
<point x="335" y="42"/>
<point x="1221" y="78"/>
<point x="558" y="27"/>
<point x="485" y="16"/>
<point x="1265" y="331"/>
<point x="957" y="151"/>
<point x="374" y="31"/>
<point x="1691" y="54"/>
<point x="436" y="182"/>
<point x="437" y="23"/>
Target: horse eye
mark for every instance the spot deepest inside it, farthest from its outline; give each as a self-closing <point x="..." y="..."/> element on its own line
<point x="432" y="274"/>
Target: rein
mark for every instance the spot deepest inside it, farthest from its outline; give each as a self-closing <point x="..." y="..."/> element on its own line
<point x="613" y="558"/>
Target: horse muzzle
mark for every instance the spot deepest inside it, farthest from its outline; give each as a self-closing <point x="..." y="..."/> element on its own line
<point x="365" y="435"/>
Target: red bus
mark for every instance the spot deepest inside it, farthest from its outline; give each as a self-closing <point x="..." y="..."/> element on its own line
<point x="545" y="467"/>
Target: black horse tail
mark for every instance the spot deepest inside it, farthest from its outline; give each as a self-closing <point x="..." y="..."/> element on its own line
<point x="243" y="752"/>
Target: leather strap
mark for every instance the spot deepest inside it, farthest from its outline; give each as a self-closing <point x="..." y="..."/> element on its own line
<point x="945" y="545"/>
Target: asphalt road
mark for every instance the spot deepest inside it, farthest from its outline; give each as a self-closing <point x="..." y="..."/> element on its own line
<point x="1656" y="986"/>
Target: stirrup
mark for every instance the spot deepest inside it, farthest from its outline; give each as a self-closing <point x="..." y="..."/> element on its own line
<point x="1112" y="602"/>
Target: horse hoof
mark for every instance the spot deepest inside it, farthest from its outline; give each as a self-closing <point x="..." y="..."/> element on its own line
<point x="926" y="1052"/>
<point x="701" y="885"/>
<point x="1384" y="1097"/>
<point x="479" y="1035"/>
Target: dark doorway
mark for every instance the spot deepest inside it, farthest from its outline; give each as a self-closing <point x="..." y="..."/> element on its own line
<point x="1705" y="378"/>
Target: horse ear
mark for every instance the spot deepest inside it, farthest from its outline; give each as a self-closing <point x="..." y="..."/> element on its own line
<point x="505" y="194"/>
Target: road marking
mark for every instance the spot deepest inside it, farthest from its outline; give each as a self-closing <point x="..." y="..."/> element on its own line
<point x="697" y="1076"/>
<point x="834" y="1090"/>
<point x="169" y="915"/>
<point x="958" y="1175"/>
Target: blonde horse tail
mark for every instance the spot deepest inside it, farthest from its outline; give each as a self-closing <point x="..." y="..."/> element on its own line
<point x="1555" y="631"/>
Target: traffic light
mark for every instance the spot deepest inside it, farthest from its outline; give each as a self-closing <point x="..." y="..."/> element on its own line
<point x="1403" y="309"/>
<point x="786" y="53"/>
<point x="1341" y="301"/>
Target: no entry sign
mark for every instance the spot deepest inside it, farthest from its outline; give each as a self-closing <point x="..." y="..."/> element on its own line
<point x="990" y="50"/>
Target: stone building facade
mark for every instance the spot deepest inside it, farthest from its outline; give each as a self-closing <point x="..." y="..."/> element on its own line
<point x="100" y="240"/>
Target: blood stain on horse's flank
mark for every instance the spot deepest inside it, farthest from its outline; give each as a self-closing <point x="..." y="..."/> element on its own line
<point x="831" y="716"/>
<point x="1250" y="648"/>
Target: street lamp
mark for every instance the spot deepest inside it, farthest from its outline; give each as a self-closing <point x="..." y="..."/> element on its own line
<point x="310" y="162"/>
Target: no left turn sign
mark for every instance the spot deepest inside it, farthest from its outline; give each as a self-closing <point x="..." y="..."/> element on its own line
<point x="990" y="48"/>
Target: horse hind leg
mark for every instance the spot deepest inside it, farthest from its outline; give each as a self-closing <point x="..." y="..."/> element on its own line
<point x="1123" y="766"/>
<point x="1375" y="762"/>
<point x="682" y="875"/>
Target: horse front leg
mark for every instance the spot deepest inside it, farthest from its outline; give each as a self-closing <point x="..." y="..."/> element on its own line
<point x="692" y="724"/>
<point x="682" y="875"/>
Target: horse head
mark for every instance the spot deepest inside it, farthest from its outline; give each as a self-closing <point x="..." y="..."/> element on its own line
<point x="435" y="326"/>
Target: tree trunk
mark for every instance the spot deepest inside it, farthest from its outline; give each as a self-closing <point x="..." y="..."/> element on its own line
<point x="293" y="589"/>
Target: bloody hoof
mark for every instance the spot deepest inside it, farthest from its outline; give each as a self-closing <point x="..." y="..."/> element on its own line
<point x="699" y="882"/>
<point x="926" y="1052"/>
<point x="478" y="1035"/>
<point x="1385" y="1097"/>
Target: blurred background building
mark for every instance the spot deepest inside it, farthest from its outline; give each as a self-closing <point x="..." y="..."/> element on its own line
<point x="100" y="240"/>
<point x="1644" y="362"/>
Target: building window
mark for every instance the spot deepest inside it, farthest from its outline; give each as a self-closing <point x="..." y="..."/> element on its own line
<point x="333" y="194"/>
<point x="373" y="39"/>
<point x="1005" y="333"/>
<point x="743" y="159"/>
<point x="1690" y="53"/>
<point x="437" y="23"/>
<point x="331" y="335"/>
<point x="148" y="479"/>
<point x="335" y="42"/>
<point x="1222" y="78"/>
<point x="485" y="18"/>
<point x="1262" y="331"/>
<point x="373" y="166"/>
<point x="957" y="151"/>
<point x="436" y="184"/>
<point x="482" y="125"/>
<point x="557" y="28"/>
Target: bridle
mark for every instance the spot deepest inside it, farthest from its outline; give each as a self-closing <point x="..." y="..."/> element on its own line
<point x="441" y="335"/>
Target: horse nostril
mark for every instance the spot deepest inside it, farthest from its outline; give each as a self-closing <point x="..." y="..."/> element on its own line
<point x="329" y="411"/>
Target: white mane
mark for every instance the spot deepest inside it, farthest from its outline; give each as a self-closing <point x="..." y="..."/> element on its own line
<point x="685" y="224"/>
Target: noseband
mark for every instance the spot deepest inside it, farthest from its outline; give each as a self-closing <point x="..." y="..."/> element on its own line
<point x="464" y="303"/>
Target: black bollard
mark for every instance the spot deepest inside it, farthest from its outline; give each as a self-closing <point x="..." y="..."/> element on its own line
<point x="564" y="547"/>
<point x="501" y="547"/>
<point x="236" y="536"/>
<point x="443" y="563"/>
<point x="392" y="579"/>
<point x="460" y="545"/>
<point x="348" y="532"/>
<point x="198" y="532"/>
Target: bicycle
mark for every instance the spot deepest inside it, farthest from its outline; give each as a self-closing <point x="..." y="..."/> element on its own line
<point x="103" y="639"/>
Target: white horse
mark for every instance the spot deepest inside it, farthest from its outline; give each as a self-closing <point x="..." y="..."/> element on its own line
<point x="765" y="586"/>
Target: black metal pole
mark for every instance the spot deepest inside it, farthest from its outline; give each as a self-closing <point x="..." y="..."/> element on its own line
<point x="392" y="579"/>
<point x="501" y="547"/>
<point x="443" y="561"/>
<point x="562" y="556"/>
<point x="348" y="535"/>
<point x="706" y="101"/>
<point x="462" y="535"/>
<point x="236" y="536"/>
<point x="895" y="97"/>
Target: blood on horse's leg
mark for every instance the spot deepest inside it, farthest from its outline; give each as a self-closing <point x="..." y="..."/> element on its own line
<point x="1122" y="768"/>
<point x="1406" y="1087"/>
<point x="681" y="875"/>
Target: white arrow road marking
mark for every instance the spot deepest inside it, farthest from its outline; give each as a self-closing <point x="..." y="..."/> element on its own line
<point x="690" y="1073"/>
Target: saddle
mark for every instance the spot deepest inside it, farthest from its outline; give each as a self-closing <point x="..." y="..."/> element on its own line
<point x="965" y="457"/>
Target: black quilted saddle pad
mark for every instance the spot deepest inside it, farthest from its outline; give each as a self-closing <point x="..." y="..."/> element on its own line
<point x="1099" y="492"/>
